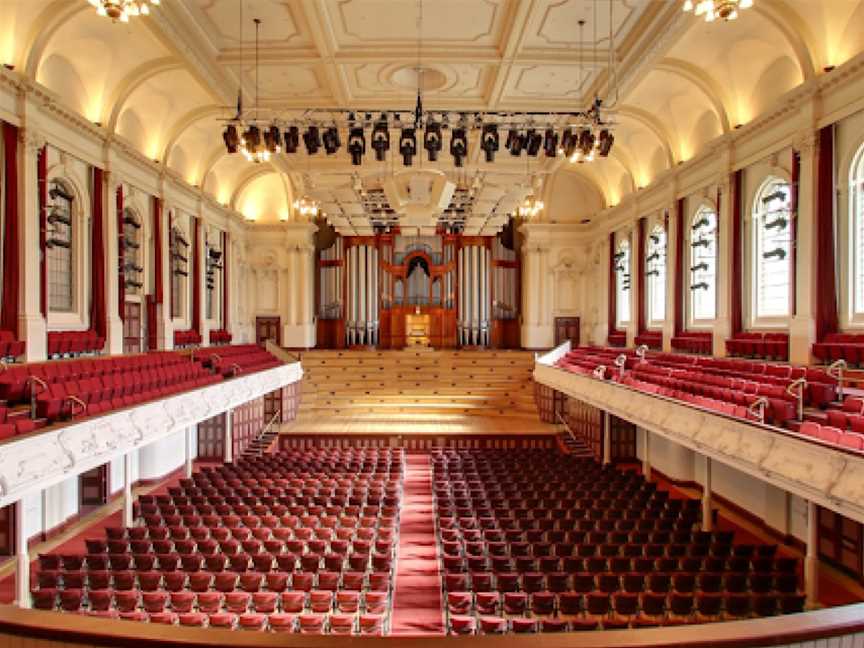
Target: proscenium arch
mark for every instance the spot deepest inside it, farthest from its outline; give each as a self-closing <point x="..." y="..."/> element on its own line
<point x="704" y="82"/>
<point x="794" y="30"/>
<point x="141" y="74"/>
<point x="185" y="122"/>
<point x="654" y="125"/>
<point x="55" y="15"/>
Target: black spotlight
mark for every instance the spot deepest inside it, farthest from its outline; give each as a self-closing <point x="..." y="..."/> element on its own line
<point x="381" y="138"/>
<point x="432" y="140"/>
<point x="273" y="139"/>
<point x="569" y="141"/>
<point x="312" y="140"/>
<point x="331" y="140"/>
<point x="459" y="146"/>
<point x="533" y="142"/>
<point x="606" y="141"/>
<point x="356" y="145"/>
<point x="515" y="142"/>
<point x="490" y="142"/>
<point x="408" y="145"/>
<point x="550" y="143"/>
<point x="292" y="139"/>
<point x="586" y="141"/>
<point x="231" y="138"/>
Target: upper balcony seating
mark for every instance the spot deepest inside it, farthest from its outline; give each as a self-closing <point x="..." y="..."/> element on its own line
<point x="770" y="346"/>
<point x="694" y="342"/>
<point x="651" y="339"/>
<point x="840" y="346"/>
<point x="835" y="435"/>
<point x="240" y="358"/>
<point x="618" y="339"/>
<point x="186" y="338"/>
<point x="220" y="336"/>
<point x="10" y="348"/>
<point x="69" y="344"/>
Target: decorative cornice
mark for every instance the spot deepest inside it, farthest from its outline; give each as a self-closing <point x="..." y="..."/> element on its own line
<point x="33" y="463"/>
<point x="814" y="471"/>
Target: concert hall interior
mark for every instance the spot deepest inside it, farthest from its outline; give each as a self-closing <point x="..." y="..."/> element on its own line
<point x="419" y="321"/>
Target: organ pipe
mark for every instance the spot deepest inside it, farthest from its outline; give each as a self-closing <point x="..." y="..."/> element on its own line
<point x="474" y="285"/>
<point x="362" y="325"/>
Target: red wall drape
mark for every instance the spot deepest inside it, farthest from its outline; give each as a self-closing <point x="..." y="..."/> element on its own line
<point x="42" y="180"/>
<point x="826" y="278"/>
<point x="640" y="272"/>
<point x="196" y="276"/>
<point x="157" y="249"/>
<point x="121" y="258"/>
<point x="98" y="314"/>
<point x="736" y="277"/>
<point x="793" y="233"/>
<point x="679" y="267"/>
<point x="613" y="313"/>
<point x="11" y="264"/>
<point x="225" y="280"/>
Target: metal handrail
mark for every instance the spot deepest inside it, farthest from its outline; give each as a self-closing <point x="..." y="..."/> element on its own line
<point x="237" y="368"/>
<point x="600" y="372"/>
<point x="269" y="425"/>
<point x="642" y="351"/>
<point x="80" y="402"/>
<point x="43" y="384"/>
<point x="835" y="370"/>
<point x="796" y="388"/>
<point x="566" y="426"/>
<point x="757" y="408"/>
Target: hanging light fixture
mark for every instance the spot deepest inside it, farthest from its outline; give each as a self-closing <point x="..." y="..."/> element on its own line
<point x="713" y="9"/>
<point x="530" y="207"/>
<point x="123" y="10"/>
<point x="306" y="207"/>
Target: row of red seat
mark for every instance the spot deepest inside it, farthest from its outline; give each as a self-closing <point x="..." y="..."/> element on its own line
<point x="67" y="344"/>
<point x="10" y="347"/>
<point x="190" y="337"/>
<point x="833" y="435"/>
<point x="840" y="346"/>
<point x="220" y="336"/>
<point x="650" y="339"/>
<point x="772" y="346"/>
<point x="240" y="359"/>
<point x="700" y="342"/>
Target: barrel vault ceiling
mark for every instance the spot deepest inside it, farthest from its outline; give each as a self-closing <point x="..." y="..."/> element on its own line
<point x="165" y="81"/>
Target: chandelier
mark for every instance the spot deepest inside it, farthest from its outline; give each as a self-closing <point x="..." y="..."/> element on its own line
<point x="713" y="9"/>
<point x="122" y="10"/>
<point x="306" y="207"/>
<point x="530" y="208"/>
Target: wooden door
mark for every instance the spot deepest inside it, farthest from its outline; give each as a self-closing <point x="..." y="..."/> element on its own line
<point x="93" y="487"/>
<point x="267" y="328"/>
<point x="623" y="438"/>
<point x="272" y="404"/>
<point x="211" y="438"/>
<point x="567" y="328"/>
<point x="7" y="530"/>
<point x="132" y="328"/>
<point x="841" y="541"/>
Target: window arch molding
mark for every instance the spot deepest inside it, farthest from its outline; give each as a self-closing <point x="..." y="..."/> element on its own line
<point x="851" y="217"/>
<point x="76" y="315"/>
<point x="770" y="253"/>
<point x="701" y="223"/>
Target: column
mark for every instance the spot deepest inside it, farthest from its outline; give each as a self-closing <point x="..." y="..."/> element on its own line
<point x="112" y="261"/>
<point x="671" y="297"/>
<point x="31" y="324"/>
<point x="607" y="438"/>
<point x="229" y="437"/>
<point x="802" y="327"/>
<point x="189" y="452"/>
<point x="128" y="518"/>
<point x="811" y="559"/>
<point x="636" y="280"/>
<point x="22" y="557"/>
<point x="646" y="454"/>
<point x="723" y="322"/>
<point x="706" y="496"/>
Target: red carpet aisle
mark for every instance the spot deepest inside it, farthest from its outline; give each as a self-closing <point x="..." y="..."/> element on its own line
<point x="417" y="606"/>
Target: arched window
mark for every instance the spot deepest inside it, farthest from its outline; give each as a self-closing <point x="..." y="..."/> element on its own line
<point x="856" y="221"/>
<point x="59" y="241"/>
<point x="655" y="274"/>
<point x="622" y="283"/>
<point x="703" y="265"/>
<point x="132" y="253"/>
<point x="213" y="275"/>
<point x="772" y="246"/>
<point x="179" y="270"/>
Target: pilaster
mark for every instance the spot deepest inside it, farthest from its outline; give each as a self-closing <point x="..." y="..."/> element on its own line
<point x="723" y="321"/>
<point x="112" y="264"/>
<point x="298" y="331"/>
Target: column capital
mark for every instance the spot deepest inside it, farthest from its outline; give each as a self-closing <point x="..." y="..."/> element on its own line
<point x="32" y="139"/>
<point x="806" y="141"/>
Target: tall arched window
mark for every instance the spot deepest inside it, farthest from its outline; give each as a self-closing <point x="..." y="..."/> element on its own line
<point x="772" y="246"/>
<point x="856" y="221"/>
<point x="60" y="240"/>
<point x="622" y="282"/>
<point x="179" y="270"/>
<point x="132" y="267"/>
<point x="655" y="274"/>
<point x="703" y="265"/>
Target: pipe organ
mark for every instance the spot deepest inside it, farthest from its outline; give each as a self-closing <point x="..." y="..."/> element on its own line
<point x="371" y="289"/>
<point x="362" y="325"/>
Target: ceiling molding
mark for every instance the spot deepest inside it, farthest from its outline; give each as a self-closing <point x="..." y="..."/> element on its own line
<point x="654" y="125"/>
<point x="114" y="106"/>
<point x="785" y="19"/>
<point x="55" y="16"/>
<point x="187" y="120"/>
<point x="706" y="84"/>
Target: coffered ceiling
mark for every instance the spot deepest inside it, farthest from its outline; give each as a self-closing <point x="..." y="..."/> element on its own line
<point x="164" y="83"/>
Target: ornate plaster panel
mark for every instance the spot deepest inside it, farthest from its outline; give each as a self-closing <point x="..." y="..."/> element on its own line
<point x="32" y="464"/>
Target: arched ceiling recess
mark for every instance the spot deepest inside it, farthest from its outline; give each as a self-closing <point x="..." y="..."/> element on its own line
<point x="160" y="80"/>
